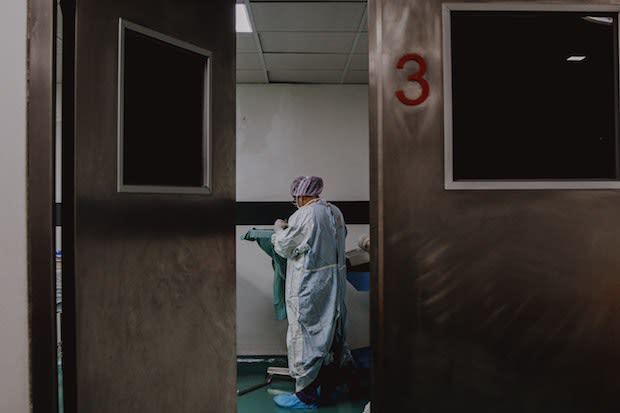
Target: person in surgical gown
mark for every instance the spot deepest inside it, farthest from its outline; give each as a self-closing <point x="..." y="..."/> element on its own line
<point x="313" y="242"/>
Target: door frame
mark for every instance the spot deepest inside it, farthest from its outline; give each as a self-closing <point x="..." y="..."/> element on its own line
<point x="41" y="122"/>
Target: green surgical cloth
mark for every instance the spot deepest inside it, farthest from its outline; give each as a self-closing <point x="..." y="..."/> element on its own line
<point x="263" y="238"/>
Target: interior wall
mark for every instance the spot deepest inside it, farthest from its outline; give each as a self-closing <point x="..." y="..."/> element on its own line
<point x="288" y="130"/>
<point x="284" y="131"/>
<point x="489" y="301"/>
<point x="14" y="382"/>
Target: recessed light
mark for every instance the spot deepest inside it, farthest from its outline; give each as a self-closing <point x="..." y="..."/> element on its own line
<point x="599" y="20"/>
<point x="242" y="19"/>
<point x="576" y="59"/>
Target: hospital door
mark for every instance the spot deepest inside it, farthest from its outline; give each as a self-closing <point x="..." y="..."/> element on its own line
<point x="148" y="201"/>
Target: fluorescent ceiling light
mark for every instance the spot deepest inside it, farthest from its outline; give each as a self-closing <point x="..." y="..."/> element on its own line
<point x="576" y="59"/>
<point x="599" y="20"/>
<point x="242" y="20"/>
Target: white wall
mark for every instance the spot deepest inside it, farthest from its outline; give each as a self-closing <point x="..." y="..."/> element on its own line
<point x="284" y="131"/>
<point x="14" y="383"/>
<point x="288" y="130"/>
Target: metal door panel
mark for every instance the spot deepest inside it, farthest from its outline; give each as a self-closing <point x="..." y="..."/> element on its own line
<point x="488" y="301"/>
<point x="154" y="274"/>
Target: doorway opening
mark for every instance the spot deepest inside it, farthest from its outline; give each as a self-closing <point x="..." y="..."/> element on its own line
<point x="302" y="109"/>
<point x="63" y="126"/>
<point x="58" y="203"/>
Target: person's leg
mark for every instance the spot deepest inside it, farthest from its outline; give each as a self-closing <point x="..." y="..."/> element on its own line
<point x="331" y="378"/>
<point x="308" y="398"/>
<point x="310" y="394"/>
<point x="328" y="381"/>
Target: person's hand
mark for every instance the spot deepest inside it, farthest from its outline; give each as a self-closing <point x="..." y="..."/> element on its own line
<point x="280" y="225"/>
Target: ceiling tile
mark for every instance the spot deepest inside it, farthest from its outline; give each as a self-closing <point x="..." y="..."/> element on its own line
<point x="362" y="44"/>
<point x="250" y="76"/>
<point x="249" y="61"/>
<point x="305" y="76"/>
<point x="246" y="43"/>
<point x="365" y="24"/>
<point x="359" y="62"/>
<point x="282" y="61"/>
<point x="306" y="1"/>
<point x="305" y="42"/>
<point x="356" y="76"/>
<point x="321" y="16"/>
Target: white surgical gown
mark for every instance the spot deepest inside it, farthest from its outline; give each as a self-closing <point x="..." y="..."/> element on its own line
<point x="314" y="245"/>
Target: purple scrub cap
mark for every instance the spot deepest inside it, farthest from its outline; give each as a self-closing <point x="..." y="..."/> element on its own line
<point x="307" y="186"/>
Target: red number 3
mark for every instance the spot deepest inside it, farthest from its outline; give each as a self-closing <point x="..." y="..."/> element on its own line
<point x="417" y="77"/>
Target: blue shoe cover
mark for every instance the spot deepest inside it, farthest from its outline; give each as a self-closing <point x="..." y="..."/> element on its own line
<point x="291" y="401"/>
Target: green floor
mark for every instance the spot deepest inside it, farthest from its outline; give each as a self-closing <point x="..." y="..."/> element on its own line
<point x="261" y="400"/>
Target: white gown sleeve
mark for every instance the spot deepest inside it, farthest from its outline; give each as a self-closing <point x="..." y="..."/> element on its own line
<point x="293" y="241"/>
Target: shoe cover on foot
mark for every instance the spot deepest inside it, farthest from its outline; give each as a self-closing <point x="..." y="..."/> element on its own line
<point x="291" y="401"/>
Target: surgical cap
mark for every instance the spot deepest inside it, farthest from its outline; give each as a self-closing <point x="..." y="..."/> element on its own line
<point x="307" y="186"/>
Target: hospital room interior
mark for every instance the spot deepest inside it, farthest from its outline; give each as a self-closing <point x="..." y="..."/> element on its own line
<point x="487" y="262"/>
<point x="302" y="109"/>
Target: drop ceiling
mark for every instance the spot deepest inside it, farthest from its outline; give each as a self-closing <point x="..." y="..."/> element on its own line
<point x="304" y="42"/>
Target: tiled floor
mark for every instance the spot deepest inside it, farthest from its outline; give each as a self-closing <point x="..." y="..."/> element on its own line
<point x="261" y="400"/>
